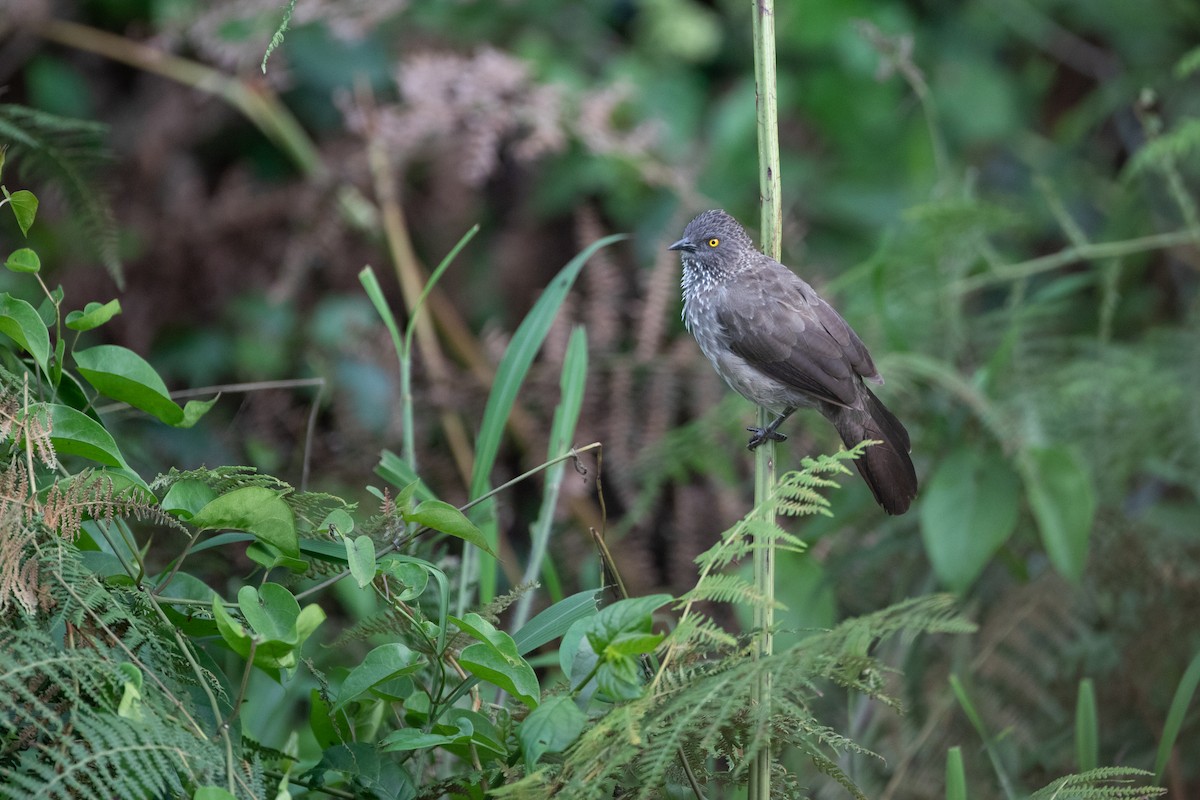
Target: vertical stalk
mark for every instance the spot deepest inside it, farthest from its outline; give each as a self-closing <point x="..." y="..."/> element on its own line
<point x="764" y="457"/>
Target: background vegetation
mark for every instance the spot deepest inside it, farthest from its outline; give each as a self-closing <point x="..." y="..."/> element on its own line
<point x="1000" y="195"/>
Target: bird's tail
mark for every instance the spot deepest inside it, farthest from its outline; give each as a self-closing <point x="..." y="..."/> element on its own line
<point x="885" y="467"/>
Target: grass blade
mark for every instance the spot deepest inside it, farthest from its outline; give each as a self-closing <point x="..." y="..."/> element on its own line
<point x="1175" y="714"/>
<point x="976" y="719"/>
<point x="1087" y="727"/>
<point x="514" y="366"/>
<point x="562" y="433"/>
<point x="956" y="776"/>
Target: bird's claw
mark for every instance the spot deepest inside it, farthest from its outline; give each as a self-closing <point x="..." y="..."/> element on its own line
<point x="763" y="434"/>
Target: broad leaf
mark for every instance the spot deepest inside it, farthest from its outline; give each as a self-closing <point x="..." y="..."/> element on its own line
<point x="93" y="315"/>
<point x="382" y="664"/>
<point x="23" y="260"/>
<point x="1064" y="505"/>
<point x="445" y="518"/>
<point x="360" y="555"/>
<point x="254" y="509"/>
<point x="24" y="205"/>
<point x="21" y="323"/>
<point x="552" y="727"/>
<point x="123" y="375"/>
<point x="968" y="512"/>
<point x="78" y="434"/>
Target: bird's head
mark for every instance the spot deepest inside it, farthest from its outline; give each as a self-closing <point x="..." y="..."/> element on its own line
<point x="713" y="240"/>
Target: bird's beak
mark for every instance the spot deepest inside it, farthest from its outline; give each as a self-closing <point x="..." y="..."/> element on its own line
<point x="683" y="244"/>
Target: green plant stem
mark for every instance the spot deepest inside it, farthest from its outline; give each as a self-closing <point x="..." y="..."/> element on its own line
<point x="764" y="457"/>
<point x="413" y="281"/>
<point x="1071" y="255"/>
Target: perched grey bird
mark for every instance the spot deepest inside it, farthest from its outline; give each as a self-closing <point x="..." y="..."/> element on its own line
<point x="778" y="344"/>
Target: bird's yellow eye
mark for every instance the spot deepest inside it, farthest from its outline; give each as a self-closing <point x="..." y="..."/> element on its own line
<point x="713" y="242"/>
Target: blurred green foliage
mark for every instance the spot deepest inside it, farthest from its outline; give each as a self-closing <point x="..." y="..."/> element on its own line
<point x="999" y="194"/>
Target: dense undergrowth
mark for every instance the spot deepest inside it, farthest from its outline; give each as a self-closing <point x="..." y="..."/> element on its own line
<point x="525" y="598"/>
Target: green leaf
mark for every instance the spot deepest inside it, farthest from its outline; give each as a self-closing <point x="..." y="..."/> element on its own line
<point x="93" y="315"/>
<point x="78" y="434"/>
<point x="232" y="632"/>
<point x="968" y="512"/>
<point x="21" y="323"/>
<point x="616" y="634"/>
<point x="185" y="498"/>
<point x="337" y="520"/>
<point x="1175" y="717"/>
<point x="552" y="727"/>
<point x="1064" y="505"/>
<point x="417" y="739"/>
<point x="576" y="657"/>
<point x="279" y="626"/>
<point x="130" y="706"/>
<point x="956" y="775"/>
<point x="24" y="205"/>
<point x="510" y="374"/>
<point x="396" y="471"/>
<point x="23" y="260"/>
<point x="620" y="678"/>
<point x="360" y="554"/>
<point x="382" y="664"/>
<point x="632" y="644"/>
<point x="633" y="615"/>
<point x="327" y="726"/>
<point x="193" y="410"/>
<point x="555" y="621"/>
<point x="222" y="539"/>
<point x="480" y="629"/>
<point x="512" y="674"/>
<point x="123" y="375"/>
<point x="1087" y="727"/>
<point x="333" y="552"/>
<point x="484" y="733"/>
<point x="495" y="659"/>
<point x="443" y="517"/>
<point x="443" y="598"/>
<point x="268" y="557"/>
<point x="212" y="793"/>
<point x="253" y="509"/>
<point x="412" y="577"/>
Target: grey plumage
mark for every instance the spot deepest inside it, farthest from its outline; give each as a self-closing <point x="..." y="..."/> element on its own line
<point x="778" y="344"/>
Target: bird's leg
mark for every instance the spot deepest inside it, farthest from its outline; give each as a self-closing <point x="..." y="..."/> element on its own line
<point x="771" y="431"/>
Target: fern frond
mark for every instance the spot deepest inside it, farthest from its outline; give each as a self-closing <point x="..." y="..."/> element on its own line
<point x="1105" y="783"/>
<point x="724" y="588"/>
<point x="68" y="152"/>
<point x="111" y="756"/>
<point x="708" y="709"/>
<point x="62" y="730"/>
<point x="93" y="494"/>
<point x="703" y="635"/>
<point x="1165" y="151"/>
<point x="221" y="479"/>
<point x="749" y="534"/>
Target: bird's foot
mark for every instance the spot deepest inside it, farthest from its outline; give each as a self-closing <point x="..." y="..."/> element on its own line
<point x="762" y="435"/>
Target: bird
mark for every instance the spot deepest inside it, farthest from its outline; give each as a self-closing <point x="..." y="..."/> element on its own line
<point x="776" y="342"/>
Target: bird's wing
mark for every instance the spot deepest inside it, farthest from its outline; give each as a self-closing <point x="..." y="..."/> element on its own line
<point x="782" y="328"/>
